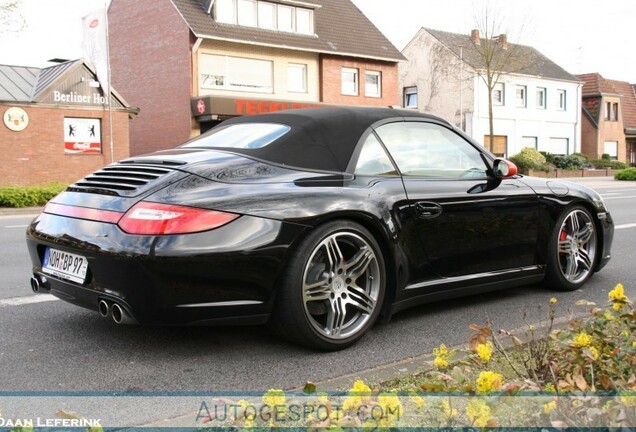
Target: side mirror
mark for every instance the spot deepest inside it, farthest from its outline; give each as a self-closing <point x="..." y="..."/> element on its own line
<point x="503" y="168"/>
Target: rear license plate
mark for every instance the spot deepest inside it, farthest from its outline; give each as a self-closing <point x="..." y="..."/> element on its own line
<point x="65" y="265"/>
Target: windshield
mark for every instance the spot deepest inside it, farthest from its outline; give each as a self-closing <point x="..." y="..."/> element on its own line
<point x="240" y="136"/>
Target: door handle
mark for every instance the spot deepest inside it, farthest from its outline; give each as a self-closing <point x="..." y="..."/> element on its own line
<point x="427" y="210"/>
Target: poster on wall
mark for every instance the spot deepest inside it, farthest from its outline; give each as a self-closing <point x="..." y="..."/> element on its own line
<point x="82" y="136"/>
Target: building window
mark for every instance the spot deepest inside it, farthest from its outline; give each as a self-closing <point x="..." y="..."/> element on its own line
<point x="373" y="84"/>
<point x="561" y="98"/>
<point x="540" y="100"/>
<point x="615" y="111"/>
<point x="349" y="81"/>
<point x="558" y="146"/>
<point x="297" y="78"/>
<point x="304" y="21"/>
<point x="285" y="16"/>
<point x="608" y="110"/>
<point x="498" y="94"/>
<point x="499" y="144"/>
<point x="247" y="13"/>
<point x="611" y="148"/>
<point x="521" y="96"/>
<point x="266" y="15"/>
<point x="225" y="11"/>
<point x="410" y="97"/>
<point x="236" y="73"/>
<point x="529" y="141"/>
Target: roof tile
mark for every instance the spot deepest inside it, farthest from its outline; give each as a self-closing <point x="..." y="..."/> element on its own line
<point x="340" y="28"/>
<point x="534" y="63"/>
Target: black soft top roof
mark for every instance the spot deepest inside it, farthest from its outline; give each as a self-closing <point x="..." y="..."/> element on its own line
<point x="319" y="138"/>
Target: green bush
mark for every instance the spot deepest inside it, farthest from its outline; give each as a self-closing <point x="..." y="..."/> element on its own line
<point x="27" y="196"/>
<point x="529" y="158"/>
<point x="626" y="174"/>
<point x="549" y="157"/>
<point x="604" y="163"/>
<point x="571" y="162"/>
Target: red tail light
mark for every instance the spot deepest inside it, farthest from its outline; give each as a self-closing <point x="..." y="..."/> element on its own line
<point x="148" y="218"/>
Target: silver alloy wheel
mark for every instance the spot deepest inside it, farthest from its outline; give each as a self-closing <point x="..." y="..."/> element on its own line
<point x="577" y="246"/>
<point x="341" y="285"/>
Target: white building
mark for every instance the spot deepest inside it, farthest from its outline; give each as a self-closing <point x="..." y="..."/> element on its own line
<point x="536" y="103"/>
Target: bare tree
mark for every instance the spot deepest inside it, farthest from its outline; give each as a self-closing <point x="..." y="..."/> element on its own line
<point x="11" y="20"/>
<point x="496" y="55"/>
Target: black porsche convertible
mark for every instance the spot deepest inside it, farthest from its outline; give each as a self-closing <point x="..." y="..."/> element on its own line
<point x="317" y="221"/>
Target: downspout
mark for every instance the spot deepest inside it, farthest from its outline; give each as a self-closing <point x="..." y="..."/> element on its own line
<point x="578" y="145"/>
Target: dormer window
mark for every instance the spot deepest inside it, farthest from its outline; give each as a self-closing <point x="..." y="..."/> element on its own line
<point x="289" y="16"/>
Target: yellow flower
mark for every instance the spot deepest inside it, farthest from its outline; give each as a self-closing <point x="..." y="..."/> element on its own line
<point x="594" y="353"/>
<point x="582" y="340"/>
<point x="532" y="328"/>
<point x="489" y="381"/>
<point x="484" y="351"/>
<point x="417" y="399"/>
<point x="549" y="407"/>
<point x="391" y="408"/>
<point x="617" y="294"/>
<point x="360" y="387"/>
<point x="448" y="410"/>
<point x="441" y="356"/>
<point x="478" y="412"/>
<point x="274" y="397"/>
<point x="628" y="400"/>
<point x="549" y="388"/>
<point x="553" y="301"/>
<point x="359" y="394"/>
<point x="440" y="362"/>
<point x="608" y="315"/>
<point x="617" y="306"/>
<point x="634" y="344"/>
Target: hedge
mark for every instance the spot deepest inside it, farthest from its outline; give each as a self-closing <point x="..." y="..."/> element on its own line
<point x="28" y="196"/>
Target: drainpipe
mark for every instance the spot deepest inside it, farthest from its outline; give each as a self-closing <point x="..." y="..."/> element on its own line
<point x="577" y="127"/>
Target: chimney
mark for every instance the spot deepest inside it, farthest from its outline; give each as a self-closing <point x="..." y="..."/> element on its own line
<point x="503" y="40"/>
<point x="474" y="36"/>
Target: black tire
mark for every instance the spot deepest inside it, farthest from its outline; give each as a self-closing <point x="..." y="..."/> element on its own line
<point x="333" y="287"/>
<point x="572" y="250"/>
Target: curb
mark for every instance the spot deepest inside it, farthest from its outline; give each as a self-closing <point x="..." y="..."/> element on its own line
<point x="22" y="211"/>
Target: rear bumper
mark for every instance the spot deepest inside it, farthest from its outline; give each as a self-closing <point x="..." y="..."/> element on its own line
<point x="223" y="276"/>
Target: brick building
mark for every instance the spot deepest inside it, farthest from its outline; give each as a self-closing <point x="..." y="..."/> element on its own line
<point x="56" y="124"/>
<point x="609" y="118"/>
<point x="190" y="64"/>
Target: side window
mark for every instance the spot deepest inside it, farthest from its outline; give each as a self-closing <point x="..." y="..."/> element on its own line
<point x="430" y="150"/>
<point x="373" y="160"/>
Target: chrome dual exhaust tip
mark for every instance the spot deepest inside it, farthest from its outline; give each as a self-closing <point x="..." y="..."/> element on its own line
<point x="104" y="308"/>
<point x="120" y="316"/>
<point x="35" y="284"/>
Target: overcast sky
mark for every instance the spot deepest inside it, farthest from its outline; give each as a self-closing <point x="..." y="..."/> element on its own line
<point x="580" y="35"/>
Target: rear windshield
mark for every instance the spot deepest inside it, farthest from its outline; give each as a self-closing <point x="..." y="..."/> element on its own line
<point x="240" y="136"/>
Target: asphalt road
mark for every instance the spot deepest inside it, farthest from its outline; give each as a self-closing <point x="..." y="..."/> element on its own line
<point x="53" y="346"/>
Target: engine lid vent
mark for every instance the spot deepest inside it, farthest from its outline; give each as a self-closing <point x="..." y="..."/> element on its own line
<point x="123" y="179"/>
